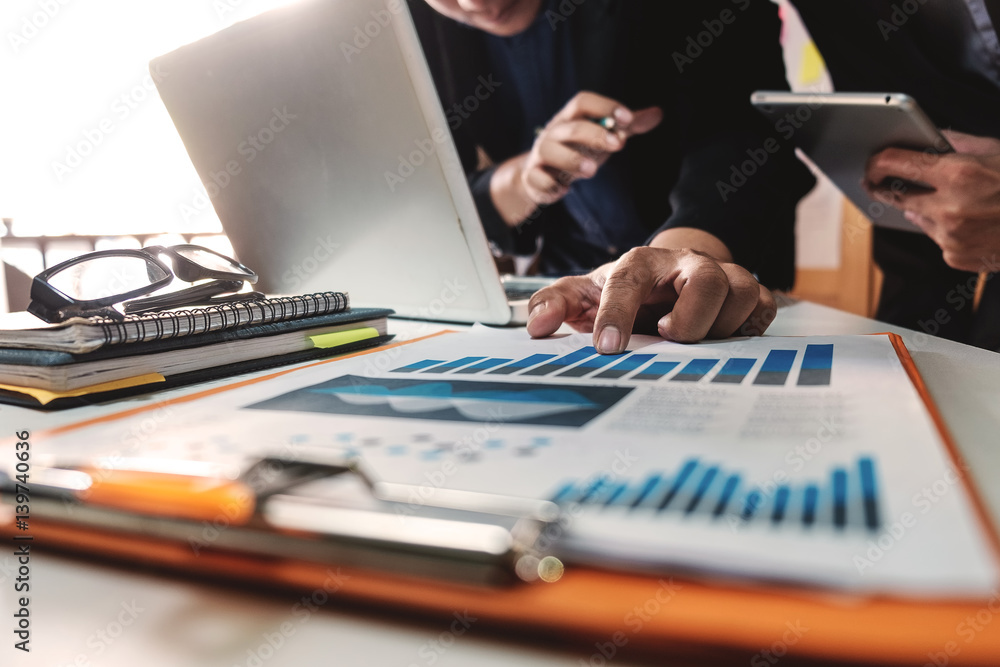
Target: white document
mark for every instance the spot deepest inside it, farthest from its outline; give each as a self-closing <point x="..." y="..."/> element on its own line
<point x="809" y="460"/>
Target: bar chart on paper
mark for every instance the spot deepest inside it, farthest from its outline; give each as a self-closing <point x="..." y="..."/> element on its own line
<point x="703" y="491"/>
<point x="811" y="367"/>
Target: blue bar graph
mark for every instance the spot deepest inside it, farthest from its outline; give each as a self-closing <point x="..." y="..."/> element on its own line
<point x="848" y="499"/>
<point x="482" y="366"/>
<point x="452" y="365"/>
<point x="815" y="370"/>
<point x="521" y="364"/>
<point x="695" y="370"/>
<point x="776" y="368"/>
<point x="817" y="365"/>
<point x="419" y="366"/>
<point x="734" y="371"/>
<point x="656" y="370"/>
<point x="591" y="365"/>
<point x="559" y="364"/>
<point x="625" y="366"/>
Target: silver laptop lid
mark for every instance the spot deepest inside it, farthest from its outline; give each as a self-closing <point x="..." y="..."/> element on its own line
<point x="318" y="133"/>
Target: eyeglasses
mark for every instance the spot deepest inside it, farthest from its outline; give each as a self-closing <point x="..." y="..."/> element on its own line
<point x="93" y="283"/>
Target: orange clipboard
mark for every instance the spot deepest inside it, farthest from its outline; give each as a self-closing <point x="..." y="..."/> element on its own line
<point x="606" y="614"/>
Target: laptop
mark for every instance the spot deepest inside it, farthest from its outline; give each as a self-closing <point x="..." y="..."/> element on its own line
<point x="318" y="133"/>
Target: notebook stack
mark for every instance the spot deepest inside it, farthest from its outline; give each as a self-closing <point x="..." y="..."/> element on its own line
<point x="86" y="360"/>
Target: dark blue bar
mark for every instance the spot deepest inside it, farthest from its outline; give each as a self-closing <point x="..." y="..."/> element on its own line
<point x="734" y="371"/>
<point x="657" y="370"/>
<point x="869" y="494"/>
<point x="452" y="365"/>
<point x="563" y="494"/>
<point x="727" y="494"/>
<point x="818" y="357"/>
<point x="780" y="504"/>
<point x="695" y="370"/>
<point x="627" y="365"/>
<point x="522" y="364"/>
<point x="651" y="483"/>
<point x="590" y="365"/>
<point x="750" y="505"/>
<point x="817" y="365"/>
<point x="420" y="365"/>
<point x="706" y="481"/>
<point x="484" y="366"/>
<point x="682" y="478"/>
<point x="615" y="494"/>
<point x="809" y="503"/>
<point x="594" y="487"/>
<point x="563" y="362"/>
<point x="839" y="498"/>
<point x="776" y="367"/>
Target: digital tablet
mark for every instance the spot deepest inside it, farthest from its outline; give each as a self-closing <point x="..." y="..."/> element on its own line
<point x="839" y="132"/>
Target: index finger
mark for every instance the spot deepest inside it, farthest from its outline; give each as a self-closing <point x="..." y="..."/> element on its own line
<point x="901" y="163"/>
<point x="627" y="286"/>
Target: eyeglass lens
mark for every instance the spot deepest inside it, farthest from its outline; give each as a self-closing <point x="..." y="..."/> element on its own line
<point x="208" y="259"/>
<point x="106" y="276"/>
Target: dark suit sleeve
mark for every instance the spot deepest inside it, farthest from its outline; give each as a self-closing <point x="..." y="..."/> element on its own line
<point x="738" y="180"/>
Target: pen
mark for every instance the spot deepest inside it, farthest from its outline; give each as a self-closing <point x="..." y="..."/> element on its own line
<point x="607" y="122"/>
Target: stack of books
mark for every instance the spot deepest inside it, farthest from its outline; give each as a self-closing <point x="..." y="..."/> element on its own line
<point x="84" y="360"/>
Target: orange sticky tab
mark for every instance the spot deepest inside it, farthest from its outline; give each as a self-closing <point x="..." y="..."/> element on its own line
<point x="171" y="495"/>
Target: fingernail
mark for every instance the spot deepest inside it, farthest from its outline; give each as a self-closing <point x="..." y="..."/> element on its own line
<point x="662" y="325"/>
<point x="610" y="341"/>
<point x="537" y="308"/>
<point x="588" y="167"/>
<point x="623" y="115"/>
<point x="614" y="141"/>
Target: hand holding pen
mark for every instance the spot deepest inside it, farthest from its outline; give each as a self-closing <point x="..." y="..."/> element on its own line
<point x="572" y="146"/>
<point x="578" y="140"/>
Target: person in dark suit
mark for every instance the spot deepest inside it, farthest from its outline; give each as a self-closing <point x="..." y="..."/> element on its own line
<point x="617" y="134"/>
<point x="946" y="55"/>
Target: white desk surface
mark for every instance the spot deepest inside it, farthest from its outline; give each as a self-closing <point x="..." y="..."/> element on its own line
<point x="77" y="605"/>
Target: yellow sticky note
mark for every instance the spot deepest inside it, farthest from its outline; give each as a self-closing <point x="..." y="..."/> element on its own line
<point x="338" y="338"/>
<point x="45" y="396"/>
<point x="811" y="67"/>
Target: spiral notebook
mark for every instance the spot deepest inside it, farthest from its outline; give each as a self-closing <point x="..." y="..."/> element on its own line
<point x="79" y="335"/>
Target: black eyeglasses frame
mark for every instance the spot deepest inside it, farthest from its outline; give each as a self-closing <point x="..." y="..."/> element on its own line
<point x="52" y="305"/>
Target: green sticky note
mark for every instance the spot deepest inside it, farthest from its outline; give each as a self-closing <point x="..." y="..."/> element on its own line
<point x="338" y="338"/>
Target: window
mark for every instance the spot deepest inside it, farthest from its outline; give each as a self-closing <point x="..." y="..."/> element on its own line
<point x="86" y="146"/>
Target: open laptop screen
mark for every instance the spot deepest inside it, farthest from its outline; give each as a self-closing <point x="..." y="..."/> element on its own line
<point x="319" y="136"/>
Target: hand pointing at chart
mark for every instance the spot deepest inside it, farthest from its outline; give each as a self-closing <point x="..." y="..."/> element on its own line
<point x="683" y="287"/>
